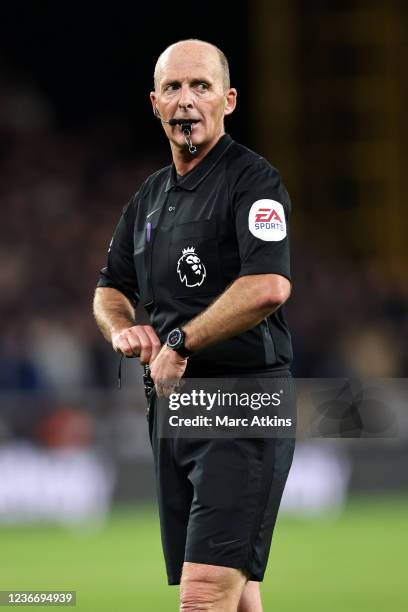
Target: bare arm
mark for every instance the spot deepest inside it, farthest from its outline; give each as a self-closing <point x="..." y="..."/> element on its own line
<point x="242" y="306"/>
<point x="112" y="311"/>
<point x="115" y="317"/>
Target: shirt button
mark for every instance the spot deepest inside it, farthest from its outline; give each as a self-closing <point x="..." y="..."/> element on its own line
<point x="171" y="208"/>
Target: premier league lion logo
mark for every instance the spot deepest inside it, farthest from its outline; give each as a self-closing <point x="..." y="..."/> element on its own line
<point x="190" y="269"/>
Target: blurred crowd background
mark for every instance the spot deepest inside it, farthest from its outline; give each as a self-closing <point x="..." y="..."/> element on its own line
<point x="321" y="96"/>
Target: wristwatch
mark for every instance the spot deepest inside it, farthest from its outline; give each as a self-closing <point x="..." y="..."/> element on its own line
<point x="175" y="341"/>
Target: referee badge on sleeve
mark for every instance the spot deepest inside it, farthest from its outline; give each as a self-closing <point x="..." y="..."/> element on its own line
<point x="266" y="220"/>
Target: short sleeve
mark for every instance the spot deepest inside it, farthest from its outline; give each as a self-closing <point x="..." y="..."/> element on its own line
<point x="261" y="208"/>
<point x="120" y="272"/>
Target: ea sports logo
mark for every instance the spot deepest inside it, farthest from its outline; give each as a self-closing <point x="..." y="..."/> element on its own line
<point x="190" y="268"/>
<point x="266" y="220"/>
<point x="267" y="215"/>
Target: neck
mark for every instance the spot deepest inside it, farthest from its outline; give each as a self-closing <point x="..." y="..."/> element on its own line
<point x="184" y="161"/>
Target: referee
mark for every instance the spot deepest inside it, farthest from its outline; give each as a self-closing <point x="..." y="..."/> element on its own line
<point x="203" y="246"/>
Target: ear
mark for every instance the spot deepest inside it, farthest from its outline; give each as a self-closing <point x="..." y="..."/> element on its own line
<point x="153" y="100"/>
<point x="230" y="101"/>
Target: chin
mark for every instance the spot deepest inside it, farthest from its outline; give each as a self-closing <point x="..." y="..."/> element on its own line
<point x="181" y="143"/>
<point x="197" y="139"/>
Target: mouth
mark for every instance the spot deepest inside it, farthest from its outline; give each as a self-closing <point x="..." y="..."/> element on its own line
<point x="188" y="121"/>
<point x="190" y="124"/>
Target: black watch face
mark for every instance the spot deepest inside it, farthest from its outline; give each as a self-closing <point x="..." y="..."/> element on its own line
<point x="174" y="338"/>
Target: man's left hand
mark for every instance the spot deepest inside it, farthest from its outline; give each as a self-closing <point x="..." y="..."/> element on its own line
<point x="167" y="370"/>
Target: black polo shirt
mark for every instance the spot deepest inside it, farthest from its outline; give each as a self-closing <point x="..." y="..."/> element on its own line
<point x="181" y="241"/>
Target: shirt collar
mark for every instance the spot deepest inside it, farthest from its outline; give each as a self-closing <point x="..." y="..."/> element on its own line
<point x="193" y="178"/>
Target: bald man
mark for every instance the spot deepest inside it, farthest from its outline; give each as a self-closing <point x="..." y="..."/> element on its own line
<point x="204" y="246"/>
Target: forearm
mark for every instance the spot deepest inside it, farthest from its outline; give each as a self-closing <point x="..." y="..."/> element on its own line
<point x="112" y="311"/>
<point x="242" y="306"/>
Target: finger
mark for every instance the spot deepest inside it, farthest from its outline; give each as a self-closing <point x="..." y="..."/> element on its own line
<point x="154" y="341"/>
<point x="168" y="386"/>
<point x="159" y="390"/>
<point x="167" y="391"/>
<point x="134" y="342"/>
<point x="123" y="346"/>
<point x="143" y="343"/>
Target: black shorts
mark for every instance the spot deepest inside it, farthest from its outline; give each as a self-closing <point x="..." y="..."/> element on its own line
<point x="218" y="498"/>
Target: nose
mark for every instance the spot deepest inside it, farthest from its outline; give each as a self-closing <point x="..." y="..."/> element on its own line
<point x="186" y="99"/>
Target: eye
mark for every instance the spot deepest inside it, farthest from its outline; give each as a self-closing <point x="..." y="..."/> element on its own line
<point x="171" y="87"/>
<point x="203" y="86"/>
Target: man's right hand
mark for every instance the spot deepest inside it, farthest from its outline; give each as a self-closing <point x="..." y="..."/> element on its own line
<point x="137" y="341"/>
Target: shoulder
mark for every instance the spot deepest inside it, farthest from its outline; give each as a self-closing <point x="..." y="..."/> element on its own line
<point x="157" y="178"/>
<point x="153" y="181"/>
<point x="243" y="163"/>
<point x="248" y="172"/>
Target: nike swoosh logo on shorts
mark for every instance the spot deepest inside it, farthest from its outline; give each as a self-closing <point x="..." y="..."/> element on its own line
<point x="213" y="544"/>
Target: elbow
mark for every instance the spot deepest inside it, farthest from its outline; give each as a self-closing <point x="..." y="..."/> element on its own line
<point x="272" y="297"/>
